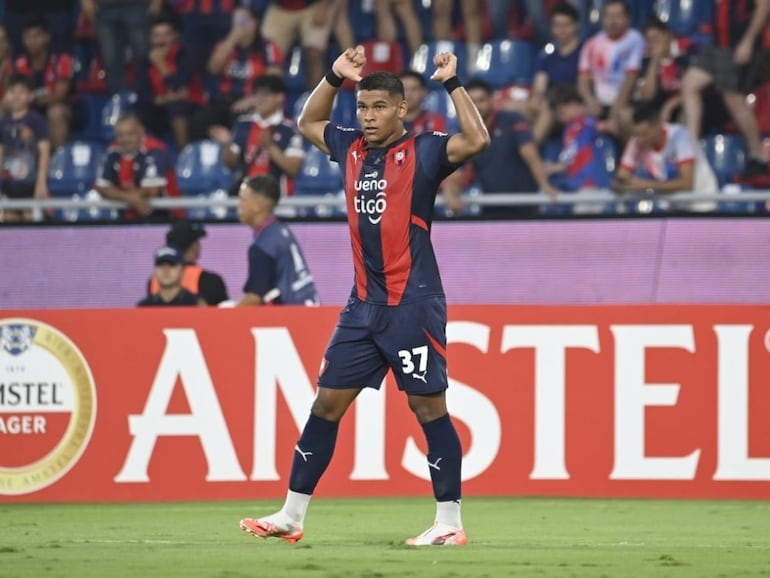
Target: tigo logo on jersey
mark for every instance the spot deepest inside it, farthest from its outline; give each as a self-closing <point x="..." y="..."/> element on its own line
<point x="47" y="405"/>
<point x="373" y="206"/>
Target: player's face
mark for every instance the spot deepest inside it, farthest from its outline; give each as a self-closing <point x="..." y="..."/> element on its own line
<point x="615" y="20"/>
<point x="414" y="93"/>
<point x="168" y="275"/>
<point x="563" y="28"/>
<point x="17" y="98"/>
<point x="483" y="101"/>
<point x="128" y="135"/>
<point x="648" y="134"/>
<point x="250" y="204"/>
<point x="380" y="115"/>
<point x="266" y="103"/>
<point x="568" y="112"/>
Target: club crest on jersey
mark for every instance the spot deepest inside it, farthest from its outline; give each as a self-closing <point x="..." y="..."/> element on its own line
<point x="400" y="157"/>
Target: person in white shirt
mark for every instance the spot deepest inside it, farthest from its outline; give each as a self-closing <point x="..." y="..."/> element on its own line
<point x="664" y="158"/>
<point x="609" y="66"/>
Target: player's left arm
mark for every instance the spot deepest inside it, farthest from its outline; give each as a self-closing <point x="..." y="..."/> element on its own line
<point x="473" y="136"/>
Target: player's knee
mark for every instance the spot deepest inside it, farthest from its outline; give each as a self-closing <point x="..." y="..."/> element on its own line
<point x="329" y="406"/>
<point x="427" y="408"/>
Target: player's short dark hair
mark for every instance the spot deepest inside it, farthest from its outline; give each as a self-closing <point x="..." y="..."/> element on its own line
<point x="383" y="81"/>
<point x="567" y="10"/>
<point x="645" y="112"/>
<point x="477" y="83"/>
<point x="271" y="83"/>
<point x="20" y="79"/>
<point x="564" y="94"/>
<point x="409" y="73"/>
<point x="36" y="21"/>
<point x="623" y="3"/>
<point x="655" y="23"/>
<point x="265" y="185"/>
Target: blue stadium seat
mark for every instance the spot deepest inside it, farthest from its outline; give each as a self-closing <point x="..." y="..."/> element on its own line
<point x="727" y="155"/>
<point x="72" y="173"/>
<point x="318" y="176"/>
<point x="422" y="59"/>
<point x="294" y="71"/>
<point x="362" y="20"/>
<point x="439" y="102"/>
<point x="200" y="169"/>
<point x="116" y="105"/>
<point x="505" y="63"/>
<point x="686" y="17"/>
<point x="91" y="106"/>
<point x="344" y="109"/>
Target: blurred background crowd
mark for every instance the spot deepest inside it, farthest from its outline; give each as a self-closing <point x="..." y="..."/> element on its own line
<point x="135" y="99"/>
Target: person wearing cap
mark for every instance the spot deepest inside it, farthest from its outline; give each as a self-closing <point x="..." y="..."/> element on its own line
<point x="186" y="236"/>
<point x="265" y="142"/>
<point x="278" y="273"/>
<point x="168" y="273"/>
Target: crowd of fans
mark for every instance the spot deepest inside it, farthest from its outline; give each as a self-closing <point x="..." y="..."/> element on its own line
<point x="129" y="87"/>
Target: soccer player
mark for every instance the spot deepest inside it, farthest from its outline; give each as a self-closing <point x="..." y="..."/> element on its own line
<point x="396" y="315"/>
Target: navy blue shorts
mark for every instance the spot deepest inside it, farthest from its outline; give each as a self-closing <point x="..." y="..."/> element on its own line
<point x="370" y="339"/>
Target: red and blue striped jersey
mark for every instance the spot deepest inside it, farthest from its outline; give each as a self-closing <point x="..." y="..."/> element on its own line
<point x="426" y="122"/>
<point x="245" y="64"/>
<point x="58" y="69"/>
<point x="390" y="192"/>
<point x="585" y="166"/>
<point x="181" y="74"/>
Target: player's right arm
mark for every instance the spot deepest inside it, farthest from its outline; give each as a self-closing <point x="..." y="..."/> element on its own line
<point x="317" y="111"/>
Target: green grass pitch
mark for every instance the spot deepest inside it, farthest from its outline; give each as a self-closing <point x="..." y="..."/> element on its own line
<point x="539" y="537"/>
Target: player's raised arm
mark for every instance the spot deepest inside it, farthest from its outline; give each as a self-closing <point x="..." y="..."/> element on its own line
<point x="317" y="111"/>
<point x="473" y="136"/>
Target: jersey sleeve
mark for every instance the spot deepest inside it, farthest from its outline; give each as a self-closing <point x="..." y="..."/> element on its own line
<point x="684" y="148"/>
<point x="432" y="152"/>
<point x="64" y="68"/>
<point x="262" y="272"/>
<point x="108" y="175"/>
<point x="39" y="126"/>
<point x="240" y="136"/>
<point x="339" y="139"/>
<point x="584" y="64"/>
<point x="541" y="61"/>
<point x="522" y="132"/>
<point x="628" y="161"/>
<point x="634" y="61"/>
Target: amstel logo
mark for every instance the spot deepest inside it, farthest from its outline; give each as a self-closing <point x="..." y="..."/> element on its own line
<point x="47" y="405"/>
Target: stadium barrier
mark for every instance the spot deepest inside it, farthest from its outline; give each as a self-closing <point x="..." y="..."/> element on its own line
<point x="187" y="404"/>
<point x="337" y="201"/>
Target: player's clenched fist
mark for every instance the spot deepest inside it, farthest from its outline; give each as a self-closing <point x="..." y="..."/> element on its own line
<point x="350" y="63"/>
<point x="446" y="66"/>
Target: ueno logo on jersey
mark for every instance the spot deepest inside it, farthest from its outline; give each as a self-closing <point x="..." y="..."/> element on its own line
<point x="371" y="206"/>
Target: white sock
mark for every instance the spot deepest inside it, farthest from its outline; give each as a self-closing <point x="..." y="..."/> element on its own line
<point x="448" y="514"/>
<point x="295" y="507"/>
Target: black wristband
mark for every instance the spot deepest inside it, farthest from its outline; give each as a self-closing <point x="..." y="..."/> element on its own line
<point x="333" y="79"/>
<point x="452" y="83"/>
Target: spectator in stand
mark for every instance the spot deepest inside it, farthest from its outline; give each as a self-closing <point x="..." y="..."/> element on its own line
<point x="511" y="164"/>
<point x="609" y="67"/>
<point x="310" y="22"/>
<point x="278" y="274"/>
<point x="185" y="237"/>
<point x="417" y="119"/>
<point x="730" y="64"/>
<point x="471" y="18"/>
<point x="557" y="65"/>
<point x="664" y="158"/>
<point x="25" y="150"/>
<point x="387" y="11"/>
<point x="533" y="13"/>
<point x="51" y="75"/>
<point x="237" y="61"/>
<point x="264" y="143"/>
<point x="171" y="90"/>
<point x="663" y="68"/>
<point x="135" y="169"/>
<point x="168" y="275"/>
<point x="6" y="63"/>
<point x="204" y="23"/>
<point x="579" y="161"/>
<point x="120" y="24"/>
<point x="59" y="14"/>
